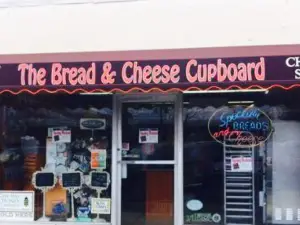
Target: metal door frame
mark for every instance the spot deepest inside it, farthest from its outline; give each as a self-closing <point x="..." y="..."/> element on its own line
<point x="116" y="191"/>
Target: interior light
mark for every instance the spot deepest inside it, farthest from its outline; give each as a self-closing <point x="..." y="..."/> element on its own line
<point x="240" y="102"/>
<point x="96" y="93"/>
<point x="266" y="91"/>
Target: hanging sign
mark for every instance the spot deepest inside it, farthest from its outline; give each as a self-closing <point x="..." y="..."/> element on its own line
<point x="240" y="125"/>
<point x="92" y="124"/>
<point x="16" y="206"/>
<point x="241" y="164"/>
<point x="148" y="135"/>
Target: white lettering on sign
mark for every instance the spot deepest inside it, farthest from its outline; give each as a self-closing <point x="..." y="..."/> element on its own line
<point x="294" y="62"/>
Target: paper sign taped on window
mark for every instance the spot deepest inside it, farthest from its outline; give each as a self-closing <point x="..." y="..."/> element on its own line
<point x="241" y="164"/>
<point x="61" y="136"/>
<point x="148" y="135"/>
<point x="100" y="205"/>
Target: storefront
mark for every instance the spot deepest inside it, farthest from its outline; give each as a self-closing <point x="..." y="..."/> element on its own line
<point x="198" y="136"/>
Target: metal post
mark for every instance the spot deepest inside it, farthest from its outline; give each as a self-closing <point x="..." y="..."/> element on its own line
<point x="114" y="174"/>
<point x="178" y="167"/>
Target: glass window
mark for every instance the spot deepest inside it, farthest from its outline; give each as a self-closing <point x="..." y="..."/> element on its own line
<point x="216" y="190"/>
<point x="148" y="117"/>
<point x="59" y="133"/>
<point x="147" y="190"/>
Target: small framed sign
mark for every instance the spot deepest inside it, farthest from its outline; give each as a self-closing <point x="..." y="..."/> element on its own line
<point x="99" y="180"/>
<point x="72" y="180"/>
<point x="98" y="158"/>
<point x="16" y="206"/>
<point x="44" y="180"/>
<point x="100" y="205"/>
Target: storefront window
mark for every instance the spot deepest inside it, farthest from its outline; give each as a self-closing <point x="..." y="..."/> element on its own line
<point x="61" y="135"/>
<point x="215" y="191"/>
<point x="155" y="118"/>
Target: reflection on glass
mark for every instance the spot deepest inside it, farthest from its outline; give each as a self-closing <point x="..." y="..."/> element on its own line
<point x="28" y="145"/>
<point x="277" y="185"/>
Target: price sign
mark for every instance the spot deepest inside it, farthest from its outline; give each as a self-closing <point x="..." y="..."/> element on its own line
<point x="99" y="180"/>
<point x="72" y="180"/>
<point x="43" y="180"/>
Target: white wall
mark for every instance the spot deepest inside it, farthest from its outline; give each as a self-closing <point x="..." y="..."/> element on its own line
<point x="26" y="3"/>
<point x="148" y="24"/>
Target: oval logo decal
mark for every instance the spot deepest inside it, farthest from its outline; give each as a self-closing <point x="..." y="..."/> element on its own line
<point x="240" y="125"/>
<point x="194" y="205"/>
<point x="92" y="123"/>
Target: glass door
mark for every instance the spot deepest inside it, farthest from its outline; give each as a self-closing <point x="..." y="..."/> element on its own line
<point x="146" y="162"/>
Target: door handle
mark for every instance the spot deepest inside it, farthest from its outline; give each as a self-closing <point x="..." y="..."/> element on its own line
<point x="126" y="162"/>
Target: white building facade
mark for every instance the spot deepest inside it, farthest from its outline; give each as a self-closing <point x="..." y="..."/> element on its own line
<point x="113" y="25"/>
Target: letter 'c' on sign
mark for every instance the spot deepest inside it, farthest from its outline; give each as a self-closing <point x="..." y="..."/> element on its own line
<point x="290" y="62"/>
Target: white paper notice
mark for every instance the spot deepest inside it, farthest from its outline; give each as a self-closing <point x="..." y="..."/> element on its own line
<point x="298" y="214"/>
<point x="289" y="214"/>
<point x="241" y="164"/>
<point x="278" y="214"/>
<point x="51" y="129"/>
<point x="61" y="136"/>
<point x="16" y="206"/>
<point x="148" y="135"/>
<point x="100" y="205"/>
